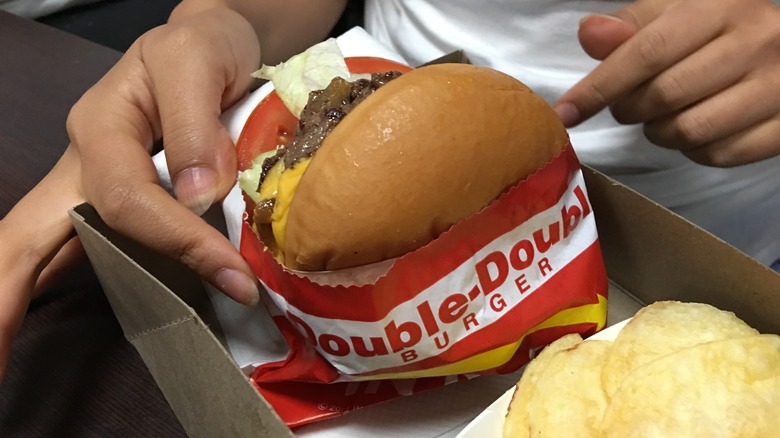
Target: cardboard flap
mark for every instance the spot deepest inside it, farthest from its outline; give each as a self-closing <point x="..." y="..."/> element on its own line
<point x="150" y="296"/>
<point x="658" y="255"/>
<point x="456" y="57"/>
<point x="108" y="249"/>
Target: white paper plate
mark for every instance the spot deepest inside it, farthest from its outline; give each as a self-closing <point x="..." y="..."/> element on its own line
<point x="489" y="423"/>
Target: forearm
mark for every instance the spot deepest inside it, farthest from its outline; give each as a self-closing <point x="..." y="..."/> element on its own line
<point x="283" y="27"/>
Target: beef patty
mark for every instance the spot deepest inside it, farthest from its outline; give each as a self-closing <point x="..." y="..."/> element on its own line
<point x="323" y="111"/>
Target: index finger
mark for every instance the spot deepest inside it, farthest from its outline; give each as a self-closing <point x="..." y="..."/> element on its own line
<point x="665" y="40"/>
<point x="121" y="182"/>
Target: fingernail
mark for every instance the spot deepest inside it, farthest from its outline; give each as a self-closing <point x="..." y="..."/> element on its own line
<point x="196" y="188"/>
<point x="604" y="16"/>
<point x="568" y="113"/>
<point x="238" y="286"/>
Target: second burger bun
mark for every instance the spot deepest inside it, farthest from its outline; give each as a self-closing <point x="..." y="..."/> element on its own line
<point x="426" y="150"/>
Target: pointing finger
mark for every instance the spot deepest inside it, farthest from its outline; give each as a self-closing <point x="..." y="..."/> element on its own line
<point x="657" y="46"/>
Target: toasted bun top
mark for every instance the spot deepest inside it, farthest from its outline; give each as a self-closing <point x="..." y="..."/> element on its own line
<point x="425" y="151"/>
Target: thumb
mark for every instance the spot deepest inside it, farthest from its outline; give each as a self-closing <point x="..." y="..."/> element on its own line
<point x="199" y="152"/>
<point x="197" y="69"/>
<point x="600" y="35"/>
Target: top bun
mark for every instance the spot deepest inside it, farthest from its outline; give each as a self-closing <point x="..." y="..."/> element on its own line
<point x="426" y="150"/>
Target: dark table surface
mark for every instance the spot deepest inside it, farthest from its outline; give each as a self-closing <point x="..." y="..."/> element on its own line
<point x="71" y="371"/>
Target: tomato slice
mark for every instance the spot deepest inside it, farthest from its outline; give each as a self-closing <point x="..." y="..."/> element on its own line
<point x="370" y="64"/>
<point x="271" y="124"/>
<point x="268" y="126"/>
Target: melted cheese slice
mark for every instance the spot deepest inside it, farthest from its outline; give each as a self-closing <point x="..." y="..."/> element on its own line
<point x="270" y="184"/>
<point x="282" y="184"/>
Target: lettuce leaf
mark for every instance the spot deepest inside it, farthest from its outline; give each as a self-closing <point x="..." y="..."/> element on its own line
<point x="249" y="180"/>
<point x="306" y="72"/>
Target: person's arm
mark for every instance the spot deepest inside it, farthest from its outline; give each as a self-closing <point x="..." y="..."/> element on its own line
<point x="32" y="233"/>
<point x="700" y="76"/>
<point x="283" y="28"/>
<point x="172" y="84"/>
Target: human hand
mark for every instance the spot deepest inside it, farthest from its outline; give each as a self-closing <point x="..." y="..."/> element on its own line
<point x="173" y="83"/>
<point x="699" y="75"/>
<point x="38" y="244"/>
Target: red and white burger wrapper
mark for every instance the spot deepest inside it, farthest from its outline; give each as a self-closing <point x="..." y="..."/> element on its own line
<point x="462" y="304"/>
<point x="480" y="299"/>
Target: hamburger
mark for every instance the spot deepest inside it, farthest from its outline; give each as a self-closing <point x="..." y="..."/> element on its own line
<point x="378" y="166"/>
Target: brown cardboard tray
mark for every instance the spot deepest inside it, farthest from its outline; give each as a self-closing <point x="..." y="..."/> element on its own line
<point x="650" y="253"/>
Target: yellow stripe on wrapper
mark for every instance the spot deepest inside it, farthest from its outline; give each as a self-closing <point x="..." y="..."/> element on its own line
<point x="589" y="313"/>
